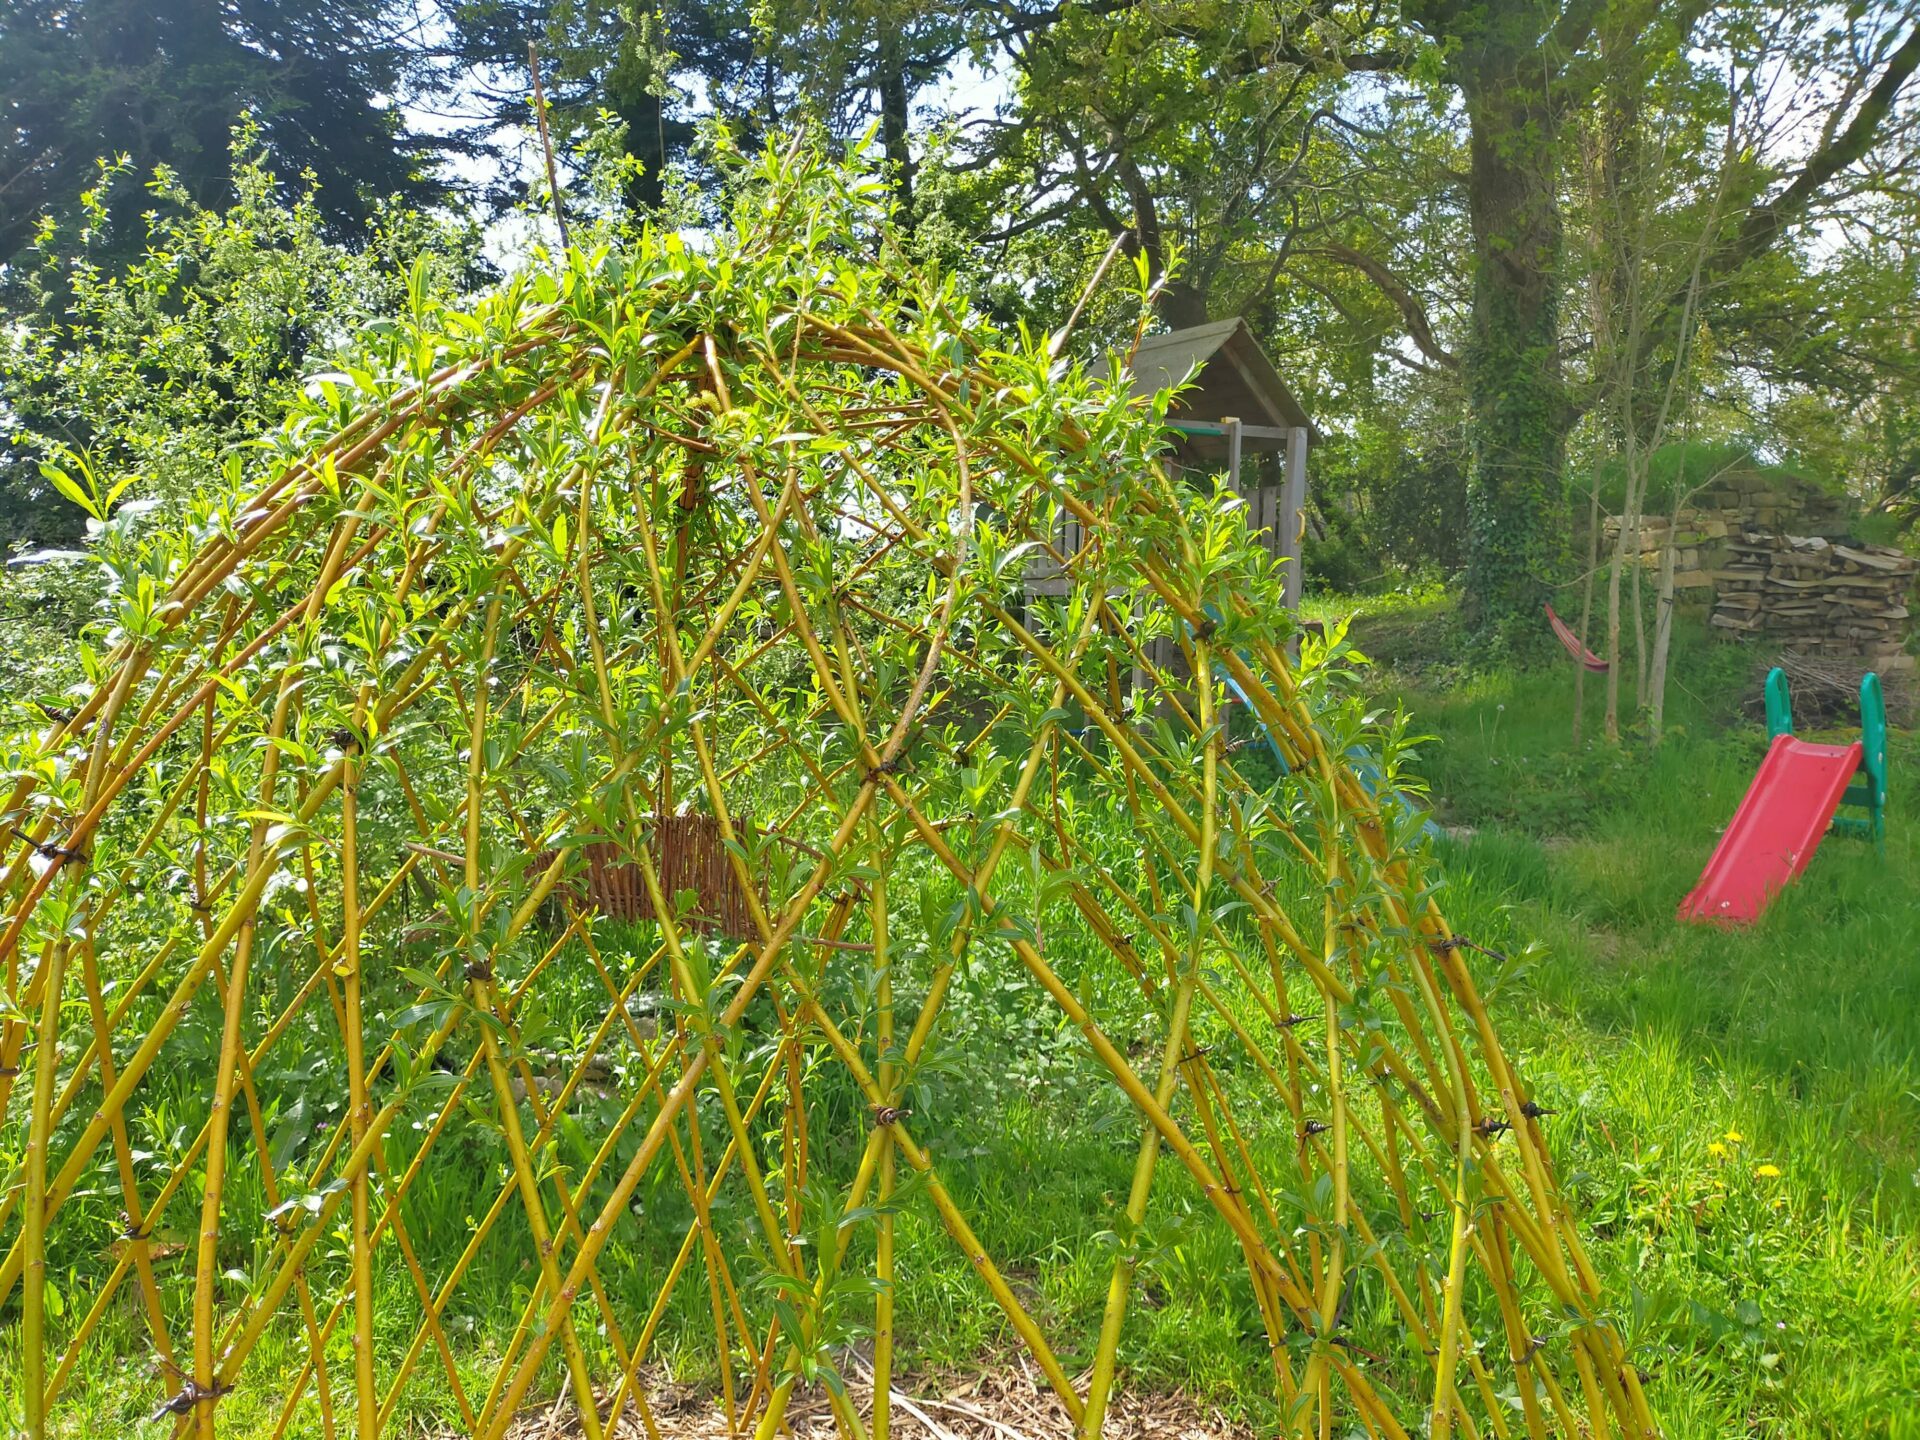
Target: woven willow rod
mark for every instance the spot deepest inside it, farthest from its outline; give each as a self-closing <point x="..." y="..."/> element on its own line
<point x="712" y="565"/>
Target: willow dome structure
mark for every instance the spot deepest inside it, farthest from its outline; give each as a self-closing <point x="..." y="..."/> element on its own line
<point x="608" y="736"/>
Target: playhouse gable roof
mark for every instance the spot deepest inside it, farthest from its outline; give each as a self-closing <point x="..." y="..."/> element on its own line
<point x="1235" y="378"/>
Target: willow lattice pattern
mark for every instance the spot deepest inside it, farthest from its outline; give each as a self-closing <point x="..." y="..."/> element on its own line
<point x="729" y="545"/>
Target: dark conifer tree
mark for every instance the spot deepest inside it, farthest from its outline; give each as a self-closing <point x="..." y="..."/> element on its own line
<point x="163" y="82"/>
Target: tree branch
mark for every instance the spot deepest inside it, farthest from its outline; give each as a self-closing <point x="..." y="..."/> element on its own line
<point x="1412" y="313"/>
<point x="1571" y="29"/>
<point x="1768" y="219"/>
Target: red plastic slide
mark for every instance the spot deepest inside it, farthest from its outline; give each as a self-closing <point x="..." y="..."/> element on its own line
<point x="1775" y="831"/>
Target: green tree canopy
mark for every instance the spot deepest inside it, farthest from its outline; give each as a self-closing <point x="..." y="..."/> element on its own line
<point x="1508" y="224"/>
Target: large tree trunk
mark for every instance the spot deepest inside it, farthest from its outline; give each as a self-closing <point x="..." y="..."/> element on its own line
<point x="1518" y="411"/>
<point x="895" y="117"/>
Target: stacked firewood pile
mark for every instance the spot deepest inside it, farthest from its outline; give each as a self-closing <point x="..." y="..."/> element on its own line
<point x="1839" y="604"/>
<point x="1770" y="558"/>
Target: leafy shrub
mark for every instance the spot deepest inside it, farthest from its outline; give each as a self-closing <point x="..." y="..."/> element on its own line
<point x="159" y="369"/>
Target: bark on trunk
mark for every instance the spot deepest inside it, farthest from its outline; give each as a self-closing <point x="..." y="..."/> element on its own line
<point x="1518" y="412"/>
<point x="1610" y="725"/>
<point x="895" y="139"/>
<point x="1586" y="609"/>
<point x="1626" y="551"/>
<point x="1662" y="638"/>
<point x="1180" y="304"/>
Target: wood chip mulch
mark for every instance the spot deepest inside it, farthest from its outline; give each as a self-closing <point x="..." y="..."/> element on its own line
<point x="1006" y="1402"/>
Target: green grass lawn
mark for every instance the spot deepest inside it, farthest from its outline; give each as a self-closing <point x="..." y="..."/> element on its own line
<point x="1740" y="1109"/>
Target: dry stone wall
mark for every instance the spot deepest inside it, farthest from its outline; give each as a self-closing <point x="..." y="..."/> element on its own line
<point x="1772" y="561"/>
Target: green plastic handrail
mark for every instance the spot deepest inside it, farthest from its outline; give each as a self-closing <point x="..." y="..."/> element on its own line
<point x="1873" y="753"/>
<point x="1870" y="790"/>
<point x="1779" y="705"/>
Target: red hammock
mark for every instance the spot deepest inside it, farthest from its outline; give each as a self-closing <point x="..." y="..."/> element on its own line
<point x="1572" y="641"/>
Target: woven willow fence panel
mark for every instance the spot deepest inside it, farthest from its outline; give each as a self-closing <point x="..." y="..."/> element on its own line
<point x="726" y="546"/>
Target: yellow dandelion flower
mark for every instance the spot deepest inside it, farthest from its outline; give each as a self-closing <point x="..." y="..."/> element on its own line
<point x="1715" y="1148"/>
<point x="1735" y="1136"/>
<point x="1767" y="1172"/>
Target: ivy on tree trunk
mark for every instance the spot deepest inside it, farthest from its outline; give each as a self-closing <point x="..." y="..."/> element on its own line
<point x="1507" y="64"/>
<point x="1517" y="401"/>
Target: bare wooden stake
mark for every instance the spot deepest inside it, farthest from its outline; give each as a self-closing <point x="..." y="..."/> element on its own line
<point x="546" y="144"/>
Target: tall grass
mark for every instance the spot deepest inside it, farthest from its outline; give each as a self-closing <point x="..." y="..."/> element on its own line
<point x="1739" y="1110"/>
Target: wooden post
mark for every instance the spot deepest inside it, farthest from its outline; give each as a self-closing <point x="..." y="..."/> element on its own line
<point x="1293" y="511"/>
<point x="1203" y="682"/>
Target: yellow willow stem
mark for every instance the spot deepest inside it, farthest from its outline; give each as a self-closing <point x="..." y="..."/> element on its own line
<point x="1440" y="1426"/>
<point x="694" y="1182"/>
<point x="657" y="1314"/>
<point x="870" y="1160"/>
<point x="435" y="1304"/>
<point x="777" y="1239"/>
<point x="206" y="1263"/>
<point x="950" y="1214"/>
<point x="1333" y="1277"/>
<point x="779" y="1399"/>
<point x="137" y="1236"/>
<point x="541" y="1232"/>
<point x="137" y="1064"/>
<point x="870" y="1166"/>
<point x="1116" y="1064"/>
<point x="164" y="1198"/>
<point x="271" y="1193"/>
<point x="267" y="1303"/>
<point x="1103" y="1047"/>
<point x="479" y="986"/>
<point x="34" y="1225"/>
<point x="1120" y="1282"/>
<point x="778" y="1243"/>
<point x="883" y="1230"/>
<point x="602" y="1228"/>
<point x="247" y="1330"/>
<point x="674" y="663"/>
<point x="83" y="828"/>
<point x="46" y="1067"/>
<point x="982" y="877"/>
<point x="359" y="1110"/>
